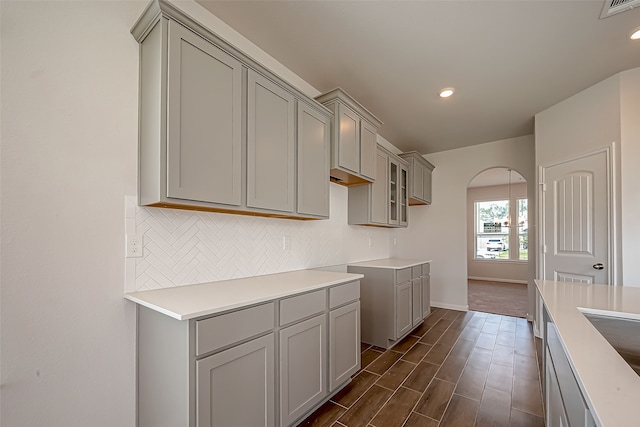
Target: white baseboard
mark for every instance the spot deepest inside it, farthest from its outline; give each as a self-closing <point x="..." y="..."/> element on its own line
<point x="493" y="279"/>
<point x="449" y="306"/>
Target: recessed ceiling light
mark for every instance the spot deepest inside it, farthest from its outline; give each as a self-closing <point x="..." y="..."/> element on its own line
<point x="446" y="92"/>
<point x="635" y="35"/>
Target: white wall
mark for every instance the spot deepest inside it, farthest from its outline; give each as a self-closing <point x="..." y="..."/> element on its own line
<point x="630" y="186"/>
<point x="603" y="114"/>
<point x="439" y="231"/>
<point x="69" y="159"/>
<point x="487" y="269"/>
<point x="69" y="136"/>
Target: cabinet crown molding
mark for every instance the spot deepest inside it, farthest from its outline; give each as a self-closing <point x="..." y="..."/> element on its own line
<point x="341" y="95"/>
<point x="159" y="8"/>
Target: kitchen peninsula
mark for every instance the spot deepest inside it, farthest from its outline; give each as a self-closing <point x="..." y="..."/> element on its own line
<point x="395" y="298"/>
<point x="587" y="382"/>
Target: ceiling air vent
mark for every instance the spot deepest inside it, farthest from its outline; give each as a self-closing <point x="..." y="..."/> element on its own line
<point x="611" y="7"/>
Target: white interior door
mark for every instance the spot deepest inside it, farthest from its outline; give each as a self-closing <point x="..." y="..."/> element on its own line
<point x="576" y="227"/>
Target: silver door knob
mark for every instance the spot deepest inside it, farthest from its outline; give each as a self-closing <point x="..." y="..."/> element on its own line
<point x="598" y="266"/>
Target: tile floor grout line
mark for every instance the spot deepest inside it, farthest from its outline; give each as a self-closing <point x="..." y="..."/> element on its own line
<point x="458" y="323"/>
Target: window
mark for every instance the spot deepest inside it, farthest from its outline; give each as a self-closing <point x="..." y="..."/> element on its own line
<point x="492" y="229"/>
<point x="495" y="236"/>
<point x="523" y="229"/>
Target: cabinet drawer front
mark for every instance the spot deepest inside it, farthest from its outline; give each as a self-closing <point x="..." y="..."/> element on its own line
<point x="416" y="271"/>
<point x="403" y="275"/>
<point x="343" y="294"/>
<point x="220" y="331"/>
<point x="301" y="306"/>
<point x="426" y="269"/>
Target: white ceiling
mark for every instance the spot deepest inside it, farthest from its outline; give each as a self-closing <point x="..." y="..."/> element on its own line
<point x="508" y="60"/>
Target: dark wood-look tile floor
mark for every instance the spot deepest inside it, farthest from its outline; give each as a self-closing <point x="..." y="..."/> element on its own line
<point x="456" y="369"/>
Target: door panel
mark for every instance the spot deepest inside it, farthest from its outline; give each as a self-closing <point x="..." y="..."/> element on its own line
<point x="576" y="230"/>
<point x="204" y="120"/>
<point x="270" y="145"/>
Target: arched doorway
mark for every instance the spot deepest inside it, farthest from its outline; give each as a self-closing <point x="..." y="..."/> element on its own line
<point x="497" y="242"/>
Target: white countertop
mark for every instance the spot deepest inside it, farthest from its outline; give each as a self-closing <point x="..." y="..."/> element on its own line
<point x="392" y="263"/>
<point x="191" y="301"/>
<point x="610" y="386"/>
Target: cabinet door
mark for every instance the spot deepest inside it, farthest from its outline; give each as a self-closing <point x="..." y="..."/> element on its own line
<point x="403" y="196"/>
<point x="403" y="306"/>
<point x="237" y="387"/>
<point x="416" y="301"/>
<point x="344" y="343"/>
<point x="368" y="150"/>
<point x="427" y="186"/>
<point x="302" y="368"/>
<point x="393" y="192"/>
<point x="349" y="139"/>
<point x="556" y="415"/>
<point x="204" y="121"/>
<point x="426" y="295"/>
<point x="417" y="181"/>
<point x="270" y="145"/>
<point x="380" y="190"/>
<point x="313" y="161"/>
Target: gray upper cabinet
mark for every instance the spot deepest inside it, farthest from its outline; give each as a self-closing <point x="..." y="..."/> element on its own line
<point x="380" y="190"/>
<point x="384" y="202"/>
<point x="353" y="139"/>
<point x="368" y="149"/>
<point x="313" y="161"/>
<point x="270" y="145"/>
<point x="204" y="120"/>
<point x="419" y="178"/>
<point x="219" y="132"/>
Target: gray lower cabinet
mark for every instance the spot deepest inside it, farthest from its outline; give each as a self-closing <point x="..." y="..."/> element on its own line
<point x="302" y="368"/>
<point x="247" y="398"/>
<point x="217" y="131"/>
<point x="420" y="171"/>
<point x="556" y="415"/>
<point x="565" y="404"/>
<point x="403" y="304"/>
<point x="383" y="203"/>
<point x="426" y="290"/>
<point x="394" y="301"/>
<point x="344" y="344"/>
<point x="416" y="301"/>
<point x="265" y="365"/>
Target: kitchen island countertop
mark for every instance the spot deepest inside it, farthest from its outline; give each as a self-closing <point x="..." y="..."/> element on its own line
<point x="610" y="386"/>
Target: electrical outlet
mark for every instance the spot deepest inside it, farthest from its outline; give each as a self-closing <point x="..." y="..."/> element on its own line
<point x="286" y="243"/>
<point x="370" y="242"/>
<point x="134" y="246"/>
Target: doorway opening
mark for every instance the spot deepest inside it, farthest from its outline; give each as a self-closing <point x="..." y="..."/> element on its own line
<point x="497" y="242"/>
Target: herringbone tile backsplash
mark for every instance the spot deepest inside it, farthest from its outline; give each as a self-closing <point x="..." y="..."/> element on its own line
<point x="187" y="247"/>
